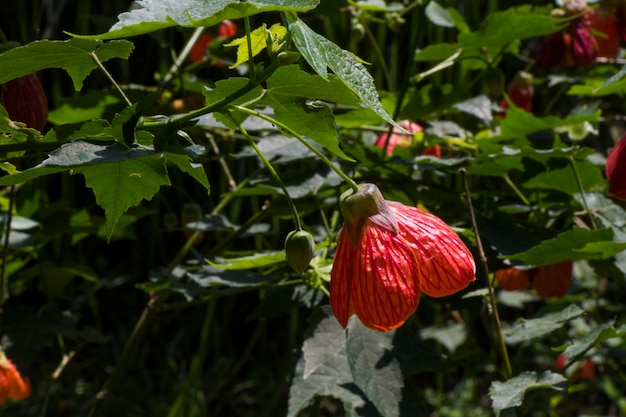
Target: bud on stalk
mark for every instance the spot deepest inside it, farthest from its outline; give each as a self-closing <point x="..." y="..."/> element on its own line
<point x="299" y="248"/>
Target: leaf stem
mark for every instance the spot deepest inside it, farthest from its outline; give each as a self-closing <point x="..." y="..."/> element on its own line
<point x="508" y="373"/>
<point x="273" y="173"/>
<point x="306" y="143"/>
<point x="517" y="191"/>
<point x="110" y="77"/>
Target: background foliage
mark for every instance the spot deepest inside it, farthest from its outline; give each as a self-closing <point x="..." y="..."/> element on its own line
<point x="145" y="273"/>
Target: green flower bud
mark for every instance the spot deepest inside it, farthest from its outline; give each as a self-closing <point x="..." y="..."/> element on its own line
<point x="299" y="247"/>
<point x="288" y="57"/>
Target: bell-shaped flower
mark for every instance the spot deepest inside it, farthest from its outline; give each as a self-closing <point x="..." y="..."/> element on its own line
<point x="12" y="385"/>
<point x="616" y="169"/>
<point x="387" y="255"/>
<point x="548" y="281"/>
<point x="404" y="140"/>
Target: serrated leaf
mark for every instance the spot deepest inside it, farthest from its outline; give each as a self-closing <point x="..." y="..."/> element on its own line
<point x="124" y="184"/>
<point x="534" y="328"/>
<point x="503" y="27"/>
<point x="374" y="370"/>
<point x="258" y="40"/>
<point x="596" y="336"/>
<point x="74" y="56"/>
<point x="186" y="165"/>
<point x="330" y="374"/>
<point x="566" y="246"/>
<point x="151" y="16"/>
<point x="438" y="15"/>
<point x="511" y="393"/>
<point x="321" y="54"/>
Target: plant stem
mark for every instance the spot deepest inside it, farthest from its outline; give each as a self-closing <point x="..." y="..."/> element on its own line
<point x="517" y="191"/>
<point x="181" y="58"/>
<point x="251" y="67"/>
<point x="594" y="225"/>
<point x="508" y="373"/>
<point x="5" y="244"/>
<point x="273" y="173"/>
<point x="306" y="143"/>
<point x="110" y="77"/>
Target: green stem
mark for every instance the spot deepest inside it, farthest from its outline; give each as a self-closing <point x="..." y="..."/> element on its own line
<point x="219" y="104"/>
<point x="273" y="173"/>
<point x="5" y="244"/>
<point x="251" y="67"/>
<point x="519" y="193"/>
<point x="579" y="183"/>
<point x="508" y="372"/>
<point x="110" y="77"/>
<point x="181" y="57"/>
<point x="306" y="143"/>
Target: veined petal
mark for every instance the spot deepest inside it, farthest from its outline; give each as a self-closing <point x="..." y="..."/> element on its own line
<point x="342" y="277"/>
<point x="385" y="291"/>
<point x="446" y="265"/>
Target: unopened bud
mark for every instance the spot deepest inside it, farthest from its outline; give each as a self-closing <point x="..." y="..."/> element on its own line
<point x="299" y="247"/>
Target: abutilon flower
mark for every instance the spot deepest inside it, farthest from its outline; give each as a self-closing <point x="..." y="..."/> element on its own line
<point x="616" y="169"/>
<point x="520" y="91"/>
<point x="25" y="101"/>
<point x="399" y="139"/>
<point x="572" y="46"/>
<point x="226" y="29"/>
<point x="387" y="255"/>
<point x="607" y="31"/>
<point x="12" y="385"/>
<point x="548" y="281"/>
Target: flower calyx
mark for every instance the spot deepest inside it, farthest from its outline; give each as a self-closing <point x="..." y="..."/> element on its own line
<point x="366" y="204"/>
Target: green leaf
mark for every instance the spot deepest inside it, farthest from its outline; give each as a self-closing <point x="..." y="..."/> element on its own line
<point x="596" y="336"/>
<point x="321" y="54"/>
<point x="156" y="15"/>
<point x="503" y="27"/>
<point x="438" y="15"/>
<point x="436" y="52"/>
<point x="530" y="329"/>
<point x="74" y="56"/>
<point x="519" y="123"/>
<point x="233" y="87"/>
<point x="322" y="369"/>
<point x="209" y="276"/>
<point x="565" y="179"/>
<point x="93" y="105"/>
<point x="565" y="247"/>
<point x="374" y="370"/>
<point x="511" y="393"/>
<point x="258" y="40"/>
<point x="123" y="184"/>
<point x="258" y="260"/>
<point x="451" y="336"/>
<point x="186" y="165"/>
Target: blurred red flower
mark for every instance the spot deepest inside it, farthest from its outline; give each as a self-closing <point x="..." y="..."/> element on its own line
<point x="548" y="281"/>
<point x="226" y="29"/>
<point x="605" y="31"/>
<point x="399" y="139"/>
<point x="12" y="385"/>
<point x="520" y="91"/>
<point x="616" y="169"/>
<point x="387" y="254"/>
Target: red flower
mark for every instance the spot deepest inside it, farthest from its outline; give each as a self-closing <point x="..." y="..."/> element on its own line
<point x="387" y="254"/>
<point x="520" y="91"/>
<point x="25" y="101"/>
<point x="548" y="281"/>
<point x="583" y="48"/>
<point x="398" y="139"/>
<point x="12" y="385"/>
<point x="513" y="279"/>
<point x="553" y="280"/>
<point x="616" y="169"/>
<point x="227" y="29"/>
<point x="605" y="24"/>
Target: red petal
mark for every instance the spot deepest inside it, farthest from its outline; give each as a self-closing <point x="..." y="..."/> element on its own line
<point x="616" y="169"/>
<point x="446" y="265"/>
<point x="512" y="279"/>
<point x="377" y="281"/>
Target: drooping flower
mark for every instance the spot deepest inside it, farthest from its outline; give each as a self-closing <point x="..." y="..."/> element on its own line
<point x="399" y="139"/>
<point x="616" y="169"/>
<point x="12" y="385"/>
<point x="387" y="255"/>
<point x="605" y="30"/>
<point x="548" y="281"/>
<point x="572" y="46"/>
<point x="520" y="91"/>
<point x="25" y="101"/>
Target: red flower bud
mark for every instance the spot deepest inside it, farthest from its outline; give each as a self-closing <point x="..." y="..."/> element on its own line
<point x="299" y="248"/>
<point x="25" y="101"/>
<point x="387" y="254"/>
<point x="616" y="169"/>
